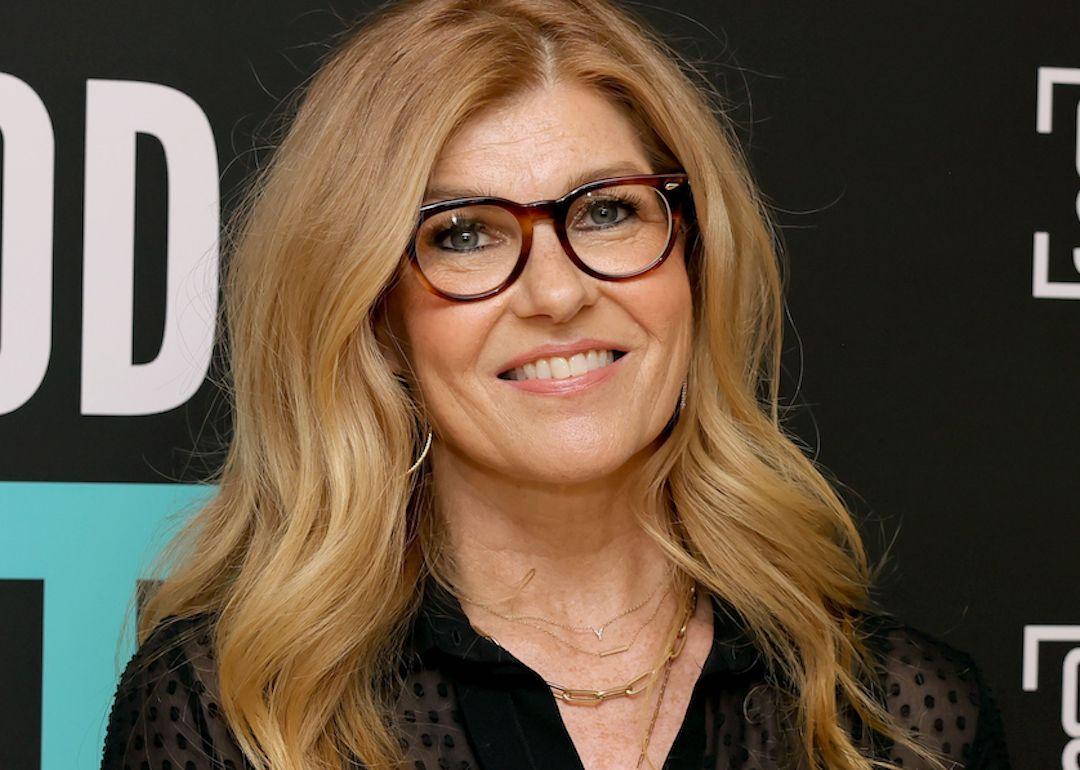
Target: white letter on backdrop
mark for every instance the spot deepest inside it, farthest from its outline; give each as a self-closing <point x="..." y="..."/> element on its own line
<point x="116" y="111"/>
<point x="26" y="248"/>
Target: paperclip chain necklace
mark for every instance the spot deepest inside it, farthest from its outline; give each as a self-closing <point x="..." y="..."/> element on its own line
<point x="636" y="685"/>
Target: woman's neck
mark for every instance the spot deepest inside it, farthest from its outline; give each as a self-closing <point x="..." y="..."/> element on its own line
<point x="590" y="556"/>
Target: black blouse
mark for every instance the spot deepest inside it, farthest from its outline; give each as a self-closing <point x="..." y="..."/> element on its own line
<point x="470" y="704"/>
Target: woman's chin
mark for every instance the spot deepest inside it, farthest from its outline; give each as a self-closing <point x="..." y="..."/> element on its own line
<point x="564" y="465"/>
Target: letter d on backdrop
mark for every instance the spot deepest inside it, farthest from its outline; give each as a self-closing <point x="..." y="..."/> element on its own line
<point x="116" y="111"/>
<point x="26" y="250"/>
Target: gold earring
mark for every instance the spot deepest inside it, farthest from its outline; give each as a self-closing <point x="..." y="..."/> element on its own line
<point x="423" y="454"/>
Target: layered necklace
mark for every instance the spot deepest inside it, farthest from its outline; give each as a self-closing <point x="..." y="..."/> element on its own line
<point x="534" y="621"/>
<point x="597" y="630"/>
<point x="592" y="697"/>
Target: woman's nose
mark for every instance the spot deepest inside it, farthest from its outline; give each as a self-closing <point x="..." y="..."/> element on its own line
<point x="551" y="283"/>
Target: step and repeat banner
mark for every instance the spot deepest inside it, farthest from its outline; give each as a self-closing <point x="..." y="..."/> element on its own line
<point x="923" y="161"/>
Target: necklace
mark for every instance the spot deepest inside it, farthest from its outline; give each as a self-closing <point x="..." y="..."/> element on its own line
<point x="637" y="685"/>
<point x="598" y="654"/>
<point x="597" y="630"/>
<point x="643" y="756"/>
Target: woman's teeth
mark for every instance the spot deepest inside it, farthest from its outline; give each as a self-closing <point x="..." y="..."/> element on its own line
<point x="558" y="368"/>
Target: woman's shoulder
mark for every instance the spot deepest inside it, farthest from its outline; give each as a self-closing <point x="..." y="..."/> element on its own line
<point x="187" y="635"/>
<point x="937" y="691"/>
<point x="166" y="707"/>
<point x="906" y="647"/>
<point x="176" y="654"/>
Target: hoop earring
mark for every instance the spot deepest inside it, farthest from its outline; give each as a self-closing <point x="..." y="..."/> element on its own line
<point x="423" y="454"/>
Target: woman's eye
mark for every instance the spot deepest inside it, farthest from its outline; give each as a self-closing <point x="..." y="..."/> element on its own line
<point x="459" y="238"/>
<point x="605" y="213"/>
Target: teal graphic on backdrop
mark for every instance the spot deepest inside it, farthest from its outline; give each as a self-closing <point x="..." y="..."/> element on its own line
<point x="89" y="544"/>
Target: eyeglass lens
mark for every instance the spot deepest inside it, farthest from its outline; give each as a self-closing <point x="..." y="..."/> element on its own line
<point x="616" y="231"/>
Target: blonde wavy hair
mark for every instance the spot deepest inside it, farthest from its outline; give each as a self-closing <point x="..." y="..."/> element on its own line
<point x="310" y="555"/>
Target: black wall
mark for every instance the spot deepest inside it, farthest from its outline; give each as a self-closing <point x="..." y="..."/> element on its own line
<point x="932" y="364"/>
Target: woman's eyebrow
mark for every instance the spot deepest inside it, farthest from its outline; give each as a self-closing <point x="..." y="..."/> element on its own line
<point x="437" y="192"/>
<point x="623" y="168"/>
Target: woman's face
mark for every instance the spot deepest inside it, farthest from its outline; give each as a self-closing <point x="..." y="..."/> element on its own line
<point x="563" y="430"/>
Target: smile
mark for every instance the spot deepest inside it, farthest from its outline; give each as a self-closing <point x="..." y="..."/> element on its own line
<point x="608" y="364"/>
<point x="560" y="368"/>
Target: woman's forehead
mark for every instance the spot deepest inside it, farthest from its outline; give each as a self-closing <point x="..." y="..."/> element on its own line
<point x="538" y="145"/>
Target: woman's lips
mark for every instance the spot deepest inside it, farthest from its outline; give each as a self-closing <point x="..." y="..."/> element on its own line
<point x="572" y="384"/>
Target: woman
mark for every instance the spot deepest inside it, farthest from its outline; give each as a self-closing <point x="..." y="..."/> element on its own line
<point x="508" y="487"/>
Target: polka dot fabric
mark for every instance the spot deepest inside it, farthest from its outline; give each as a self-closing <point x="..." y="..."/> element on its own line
<point x="936" y="691"/>
<point x="165" y="715"/>
<point x="467" y="707"/>
<point x="939" y="695"/>
<point x="431" y="724"/>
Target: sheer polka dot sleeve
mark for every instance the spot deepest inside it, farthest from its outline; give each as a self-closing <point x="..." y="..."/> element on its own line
<point x="940" y="695"/>
<point x="165" y="714"/>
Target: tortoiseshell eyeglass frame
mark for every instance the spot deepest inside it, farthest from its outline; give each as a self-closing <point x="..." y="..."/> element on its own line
<point x="674" y="187"/>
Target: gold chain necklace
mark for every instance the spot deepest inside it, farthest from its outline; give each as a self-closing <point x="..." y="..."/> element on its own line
<point x="643" y="756"/>
<point x="597" y="654"/>
<point x="641" y="682"/>
<point x="597" y="630"/>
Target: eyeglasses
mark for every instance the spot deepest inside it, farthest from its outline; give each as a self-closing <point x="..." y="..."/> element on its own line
<point x="615" y="229"/>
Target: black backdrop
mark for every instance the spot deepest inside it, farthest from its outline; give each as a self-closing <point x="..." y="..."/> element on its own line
<point x="899" y="145"/>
